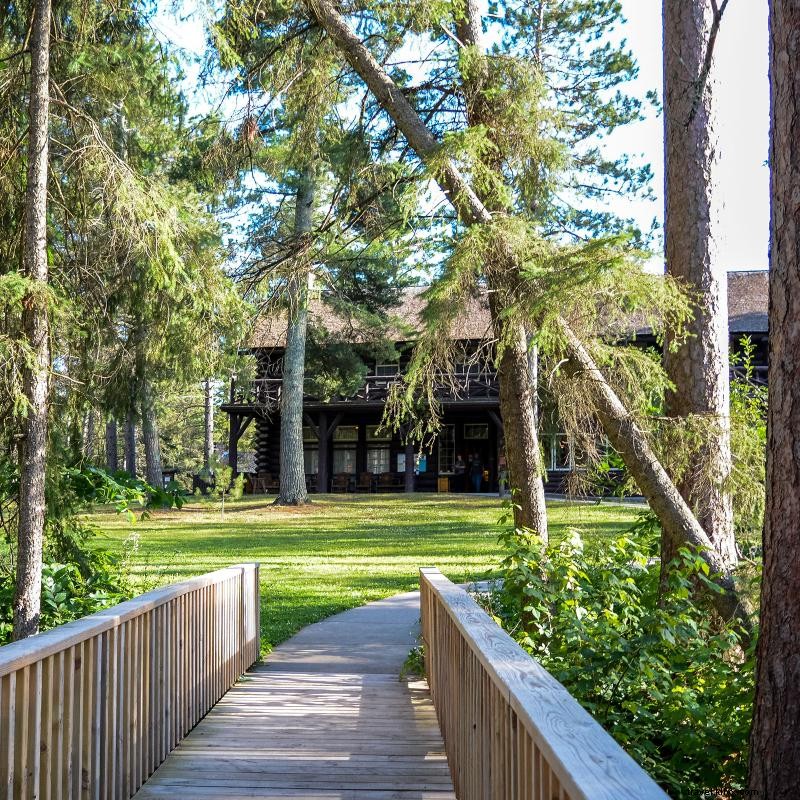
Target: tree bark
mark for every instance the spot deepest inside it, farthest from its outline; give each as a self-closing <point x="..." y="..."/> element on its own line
<point x="533" y="374"/>
<point x="292" y="465"/>
<point x="152" y="447"/>
<point x="112" y="456"/>
<point x="33" y="455"/>
<point x="130" y="442"/>
<point x="523" y="451"/>
<point x="775" y="738"/>
<point x="632" y="444"/>
<point x="699" y="367"/>
<point x="89" y="435"/>
<point x="208" y="427"/>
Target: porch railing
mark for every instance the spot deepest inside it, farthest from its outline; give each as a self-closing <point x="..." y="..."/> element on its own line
<point x="375" y="389"/>
<point x="91" y="708"/>
<point x="511" y="730"/>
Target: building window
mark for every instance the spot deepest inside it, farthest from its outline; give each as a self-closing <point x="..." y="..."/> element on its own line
<point x="376" y="433"/>
<point x="447" y="449"/>
<point x="378" y="460"/>
<point x="344" y="460"/>
<point x="346" y="433"/>
<point x="387" y="370"/>
<point x="477" y="431"/>
<point x="308" y="434"/>
<point x="311" y="460"/>
<point x="557" y="452"/>
<point x="561" y="452"/>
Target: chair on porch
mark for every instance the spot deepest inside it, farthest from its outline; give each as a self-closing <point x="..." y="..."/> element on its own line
<point x="387" y="482"/>
<point x="340" y="482"/>
<point x="364" y="482"/>
<point x="265" y="482"/>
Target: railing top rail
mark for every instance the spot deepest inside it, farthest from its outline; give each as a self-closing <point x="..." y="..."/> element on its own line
<point x="586" y="759"/>
<point x="20" y="654"/>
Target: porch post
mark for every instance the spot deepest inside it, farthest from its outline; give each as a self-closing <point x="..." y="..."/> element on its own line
<point x="322" y="453"/>
<point x="233" y="443"/>
<point x="409" y="451"/>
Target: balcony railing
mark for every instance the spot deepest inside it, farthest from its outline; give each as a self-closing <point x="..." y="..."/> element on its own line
<point x="266" y="392"/>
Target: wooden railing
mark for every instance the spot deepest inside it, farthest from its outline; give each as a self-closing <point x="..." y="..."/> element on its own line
<point x="91" y="708"/>
<point x="474" y="385"/>
<point x="511" y="730"/>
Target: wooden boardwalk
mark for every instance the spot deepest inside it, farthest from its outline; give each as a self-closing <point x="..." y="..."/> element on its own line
<point x="326" y="718"/>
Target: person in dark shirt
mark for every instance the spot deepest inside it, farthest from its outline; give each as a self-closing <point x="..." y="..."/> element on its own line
<point x="476" y="472"/>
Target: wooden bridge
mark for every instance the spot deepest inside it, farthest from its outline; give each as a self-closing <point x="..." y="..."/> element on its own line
<point x="159" y="697"/>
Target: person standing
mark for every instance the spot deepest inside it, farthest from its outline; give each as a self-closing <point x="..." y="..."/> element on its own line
<point x="476" y="472"/>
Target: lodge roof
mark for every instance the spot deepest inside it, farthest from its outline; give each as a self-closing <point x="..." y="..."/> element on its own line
<point x="747" y="313"/>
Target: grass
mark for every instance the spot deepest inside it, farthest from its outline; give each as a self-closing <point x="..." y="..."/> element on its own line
<point x="339" y="552"/>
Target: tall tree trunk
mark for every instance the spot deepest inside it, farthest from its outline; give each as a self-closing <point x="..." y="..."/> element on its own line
<point x="152" y="447"/>
<point x="130" y="442"/>
<point x="208" y="427"/>
<point x="112" y="455"/>
<point x="292" y="465"/>
<point x="533" y="374"/>
<point x="89" y="435"/>
<point x="666" y="501"/>
<point x="775" y="738"/>
<point x="698" y="368"/>
<point x="674" y="514"/>
<point x="523" y="451"/>
<point x="33" y="455"/>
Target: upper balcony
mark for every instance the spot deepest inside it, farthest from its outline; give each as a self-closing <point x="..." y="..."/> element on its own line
<point x="470" y="386"/>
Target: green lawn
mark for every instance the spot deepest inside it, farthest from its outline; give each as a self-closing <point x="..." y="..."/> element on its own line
<point x="339" y="552"/>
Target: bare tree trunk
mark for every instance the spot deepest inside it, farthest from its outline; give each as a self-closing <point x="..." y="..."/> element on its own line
<point x="292" y="465"/>
<point x="533" y="374"/>
<point x="27" y="596"/>
<point x="621" y="429"/>
<point x="208" y="427"/>
<point x="130" y="442"/>
<point x="112" y="455"/>
<point x="152" y="447"/>
<point x="675" y="516"/>
<point x="698" y="368"/>
<point x="89" y="435"/>
<point x="523" y="451"/>
<point x="775" y="738"/>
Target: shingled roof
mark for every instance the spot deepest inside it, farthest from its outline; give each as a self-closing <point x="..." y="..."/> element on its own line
<point x="747" y="313"/>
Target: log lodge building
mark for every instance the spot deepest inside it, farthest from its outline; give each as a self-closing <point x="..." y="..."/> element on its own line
<point x="345" y="447"/>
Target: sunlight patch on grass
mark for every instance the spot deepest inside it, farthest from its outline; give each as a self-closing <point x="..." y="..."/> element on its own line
<point x="339" y="552"/>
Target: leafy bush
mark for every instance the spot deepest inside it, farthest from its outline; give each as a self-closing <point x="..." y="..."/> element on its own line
<point x="78" y="577"/>
<point x="666" y="680"/>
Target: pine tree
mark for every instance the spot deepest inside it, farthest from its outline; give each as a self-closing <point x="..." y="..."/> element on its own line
<point x="775" y="738"/>
<point x="292" y="463"/>
<point x="698" y="364"/>
<point x="619" y="424"/>
<point x="33" y="451"/>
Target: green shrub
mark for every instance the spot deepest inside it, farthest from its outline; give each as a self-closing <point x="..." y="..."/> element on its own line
<point x="78" y="577"/>
<point x="664" y="678"/>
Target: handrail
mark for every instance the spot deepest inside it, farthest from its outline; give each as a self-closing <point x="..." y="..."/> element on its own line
<point x="91" y="708"/>
<point x="511" y="730"/>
